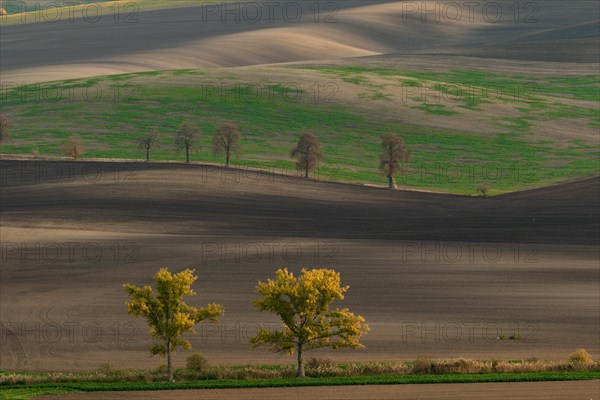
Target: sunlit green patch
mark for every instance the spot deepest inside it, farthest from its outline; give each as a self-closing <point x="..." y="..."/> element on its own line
<point x="271" y="116"/>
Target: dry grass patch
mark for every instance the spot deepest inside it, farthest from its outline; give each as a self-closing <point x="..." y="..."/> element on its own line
<point x="198" y="369"/>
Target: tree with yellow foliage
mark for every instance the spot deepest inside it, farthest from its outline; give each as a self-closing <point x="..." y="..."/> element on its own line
<point x="167" y="314"/>
<point x="303" y="305"/>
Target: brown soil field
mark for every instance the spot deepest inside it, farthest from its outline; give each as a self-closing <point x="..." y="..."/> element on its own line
<point x="583" y="390"/>
<point x="109" y="42"/>
<point x="433" y="274"/>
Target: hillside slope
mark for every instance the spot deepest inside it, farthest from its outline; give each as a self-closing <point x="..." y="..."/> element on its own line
<point x="195" y="37"/>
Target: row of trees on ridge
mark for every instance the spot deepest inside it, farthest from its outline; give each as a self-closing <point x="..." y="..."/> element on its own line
<point x="227" y="141"/>
<point x="306" y="152"/>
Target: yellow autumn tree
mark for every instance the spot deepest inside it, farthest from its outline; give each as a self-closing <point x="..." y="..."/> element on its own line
<point x="303" y="304"/>
<point x="168" y="316"/>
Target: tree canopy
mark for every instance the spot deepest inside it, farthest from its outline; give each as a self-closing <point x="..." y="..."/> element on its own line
<point x="186" y="138"/>
<point x="307" y="153"/>
<point x="168" y="316"/>
<point x="4" y="125"/>
<point x="227" y="140"/>
<point x="303" y="304"/>
<point x="394" y="154"/>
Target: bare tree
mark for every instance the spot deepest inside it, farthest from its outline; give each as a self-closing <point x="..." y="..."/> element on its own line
<point x="73" y="147"/>
<point x="148" y="141"/>
<point x="227" y="140"/>
<point x="394" y="154"/>
<point x="307" y="153"/>
<point x="4" y="125"/>
<point x="186" y="138"/>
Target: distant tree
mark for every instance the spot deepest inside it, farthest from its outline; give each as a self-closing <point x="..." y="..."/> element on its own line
<point x="186" y="138"/>
<point x="148" y="141"/>
<point x="74" y="148"/>
<point x="483" y="188"/>
<point x="307" y="153"/>
<point x="168" y="316"/>
<point x="227" y="140"/>
<point x="394" y="154"/>
<point x="4" y="125"/>
<point x="303" y="305"/>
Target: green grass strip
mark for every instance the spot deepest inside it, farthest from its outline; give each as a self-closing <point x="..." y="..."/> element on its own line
<point x="331" y="381"/>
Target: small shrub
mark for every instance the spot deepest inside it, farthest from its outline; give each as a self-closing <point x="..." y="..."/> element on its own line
<point x="516" y="336"/>
<point x="483" y="188"/>
<point x="105" y="368"/>
<point x="35" y="153"/>
<point x="581" y="356"/>
<point x="256" y="372"/>
<point x="73" y="147"/>
<point x="149" y="378"/>
<point x="465" y="366"/>
<point x="162" y="368"/>
<point x="460" y="366"/>
<point x="314" y="363"/>
<point x="196" y="362"/>
<point x="372" y="368"/>
<point x="423" y="365"/>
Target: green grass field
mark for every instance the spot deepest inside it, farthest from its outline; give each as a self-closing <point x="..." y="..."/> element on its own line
<point x="111" y="113"/>
<point x="28" y="391"/>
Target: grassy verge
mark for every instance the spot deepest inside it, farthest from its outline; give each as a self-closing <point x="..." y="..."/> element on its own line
<point x="32" y="390"/>
<point x="29" y="393"/>
<point x="320" y="372"/>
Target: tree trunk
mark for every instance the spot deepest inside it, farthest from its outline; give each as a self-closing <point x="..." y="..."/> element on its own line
<point x="306" y="172"/>
<point x="169" y="363"/>
<point x="391" y="182"/>
<point x="147" y="154"/>
<point x="187" y="154"/>
<point x="300" y="373"/>
<point x="227" y="158"/>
